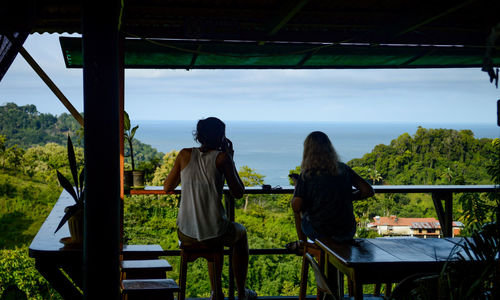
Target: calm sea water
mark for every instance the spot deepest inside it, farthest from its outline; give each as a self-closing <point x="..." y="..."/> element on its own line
<point x="273" y="148"/>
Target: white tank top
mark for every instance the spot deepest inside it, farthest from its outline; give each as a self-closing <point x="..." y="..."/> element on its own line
<point x="201" y="214"/>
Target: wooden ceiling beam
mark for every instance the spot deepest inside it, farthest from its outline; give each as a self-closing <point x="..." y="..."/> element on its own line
<point x="434" y="17"/>
<point x="285" y="15"/>
<point x="194" y="58"/>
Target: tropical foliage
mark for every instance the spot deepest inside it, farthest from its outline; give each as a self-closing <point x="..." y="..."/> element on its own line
<point x="29" y="188"/>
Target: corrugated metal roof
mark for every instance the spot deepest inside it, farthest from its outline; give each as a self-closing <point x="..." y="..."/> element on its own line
<point x="425" y="225"/>
<point x="356" y="34"/>
<point x="363" y="21"/>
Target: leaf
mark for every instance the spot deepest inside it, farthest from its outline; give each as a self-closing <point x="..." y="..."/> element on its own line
<point x="72" y="163"/>
<point x="69" y="213"/>
<point x="133" y="131"/>
<point x="126" y="121"/>
<point x="82" y="178"/>
<point x="82" y="198"/>
<point x="66" y="185"/>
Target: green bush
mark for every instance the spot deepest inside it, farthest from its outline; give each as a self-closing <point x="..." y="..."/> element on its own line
<point x="17" y="269"/>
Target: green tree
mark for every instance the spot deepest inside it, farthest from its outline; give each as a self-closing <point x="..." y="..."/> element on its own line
<point x="374" y="176"/>
<point x="250" y="177"/>
<point x="162" y="171"/>
<point x="2" y="150"/>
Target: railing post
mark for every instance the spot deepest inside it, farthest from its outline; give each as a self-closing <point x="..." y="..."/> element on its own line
<point x="229" y="201"/>
<point x="445" y="215"/>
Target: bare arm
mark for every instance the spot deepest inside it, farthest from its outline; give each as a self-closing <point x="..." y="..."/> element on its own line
<point x="174" y="177"/>
<point x="364" y="190"/>
<point x="225" y="164"/>
<point x="296" y="203"/>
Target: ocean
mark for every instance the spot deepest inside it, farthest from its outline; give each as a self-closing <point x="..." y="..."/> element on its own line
<point x="274" y="148"/>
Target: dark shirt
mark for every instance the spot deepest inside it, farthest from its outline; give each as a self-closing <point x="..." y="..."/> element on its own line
<point x="327" y="202"/>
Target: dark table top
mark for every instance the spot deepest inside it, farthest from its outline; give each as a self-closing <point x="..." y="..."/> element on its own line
<point x="46" y="243"/>
<point x="393" y="259"/>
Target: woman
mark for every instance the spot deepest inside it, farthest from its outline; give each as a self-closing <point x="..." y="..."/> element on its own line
<point x="201" y="217"/>
<point x="322" y="201"/>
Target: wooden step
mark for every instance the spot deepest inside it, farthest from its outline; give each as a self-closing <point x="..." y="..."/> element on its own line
<point x="144" y="269"/>
<point x="149" y="289"/>
<point x="131" y="252"/>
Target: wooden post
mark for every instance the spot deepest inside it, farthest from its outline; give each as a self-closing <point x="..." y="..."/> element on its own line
<point x="121" y="64"/>
<point x="102" y="151"/>
<point x="445" y="216"/>
<point x="230" y="214"/>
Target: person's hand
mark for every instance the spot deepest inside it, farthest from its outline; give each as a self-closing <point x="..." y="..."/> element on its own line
<point x="228" y="147"/>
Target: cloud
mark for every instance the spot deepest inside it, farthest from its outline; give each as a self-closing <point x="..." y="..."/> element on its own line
<point x="447" y="95"/>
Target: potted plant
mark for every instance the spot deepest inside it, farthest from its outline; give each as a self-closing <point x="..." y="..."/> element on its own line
<point x="74" y="213"/>
<point x="134" y="177"/>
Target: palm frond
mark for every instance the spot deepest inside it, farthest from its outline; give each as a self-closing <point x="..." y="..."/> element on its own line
<point x="72" y="163"/>
<point x="71" y="210"/>
<point x="67" y="186"/>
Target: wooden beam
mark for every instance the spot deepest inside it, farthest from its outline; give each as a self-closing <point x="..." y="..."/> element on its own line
<point x="445" y="216"/>
<point x="305" y="58"/>
<point x="434" y="17"/>
<point x="121" y="101"/>
<point x="193" y="59"/>
<point x="284" y="16"/>
<point x="52" y="86"/>
<point x="101" y="83"/>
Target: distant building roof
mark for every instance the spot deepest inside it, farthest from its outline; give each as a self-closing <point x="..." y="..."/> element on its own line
<point x="417" y="223"/>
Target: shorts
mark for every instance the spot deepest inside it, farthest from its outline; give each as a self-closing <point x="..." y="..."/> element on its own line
<point x="235" y="232"/>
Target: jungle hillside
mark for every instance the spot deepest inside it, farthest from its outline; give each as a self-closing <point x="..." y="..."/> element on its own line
<point x="32" y="148"/>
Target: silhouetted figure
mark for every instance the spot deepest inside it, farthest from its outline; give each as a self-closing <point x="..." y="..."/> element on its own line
<point x="322" y="201"/>
<point x="201" y="217"/>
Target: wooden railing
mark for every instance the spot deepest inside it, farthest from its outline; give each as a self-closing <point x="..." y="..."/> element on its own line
<point x="439" y="194"/>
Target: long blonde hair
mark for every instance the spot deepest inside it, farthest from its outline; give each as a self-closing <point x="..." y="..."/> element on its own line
<point x="319" y="156"/>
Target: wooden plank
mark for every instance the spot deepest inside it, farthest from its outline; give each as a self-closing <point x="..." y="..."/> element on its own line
<point x="439" y="249"/>
<point x="140" y="264"/>
<point x="52" y="86"/>
<point x="360" y="252"/>
<point x="399" y="247"/>
<point x="379" y="189"/>
<point x="131" y="252"/>
<point x="58" y="280"/>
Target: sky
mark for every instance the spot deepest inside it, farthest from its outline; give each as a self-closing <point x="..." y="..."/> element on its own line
<point x="415" y="96"/>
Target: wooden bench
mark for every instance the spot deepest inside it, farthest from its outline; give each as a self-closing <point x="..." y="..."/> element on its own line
<point x="151" y="289"/>
<point x="144" y="269"/>
<point x="135" y="252"/>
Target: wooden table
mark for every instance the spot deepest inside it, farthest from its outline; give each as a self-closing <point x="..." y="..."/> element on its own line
<point x="383" y="260"/>
<point x="52" y="257"/>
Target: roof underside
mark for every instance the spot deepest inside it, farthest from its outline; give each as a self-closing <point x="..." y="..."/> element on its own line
<point x="168" y="54"/>
<point x="210" y="34"/>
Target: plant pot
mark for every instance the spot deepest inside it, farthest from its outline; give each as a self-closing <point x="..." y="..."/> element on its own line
<point x="138" y="179"/>
<point x="75" y="224"/>
<point x="127" y="180"/>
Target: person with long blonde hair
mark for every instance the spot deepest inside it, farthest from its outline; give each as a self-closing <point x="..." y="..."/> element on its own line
<point x="322" y="201"/>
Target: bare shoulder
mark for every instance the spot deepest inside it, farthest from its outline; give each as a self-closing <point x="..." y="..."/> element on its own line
<point x="185" y="151"/>
<point x="184" y="156"/>
<point x="223" y="157"/>
<point x="223" y="162"/>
